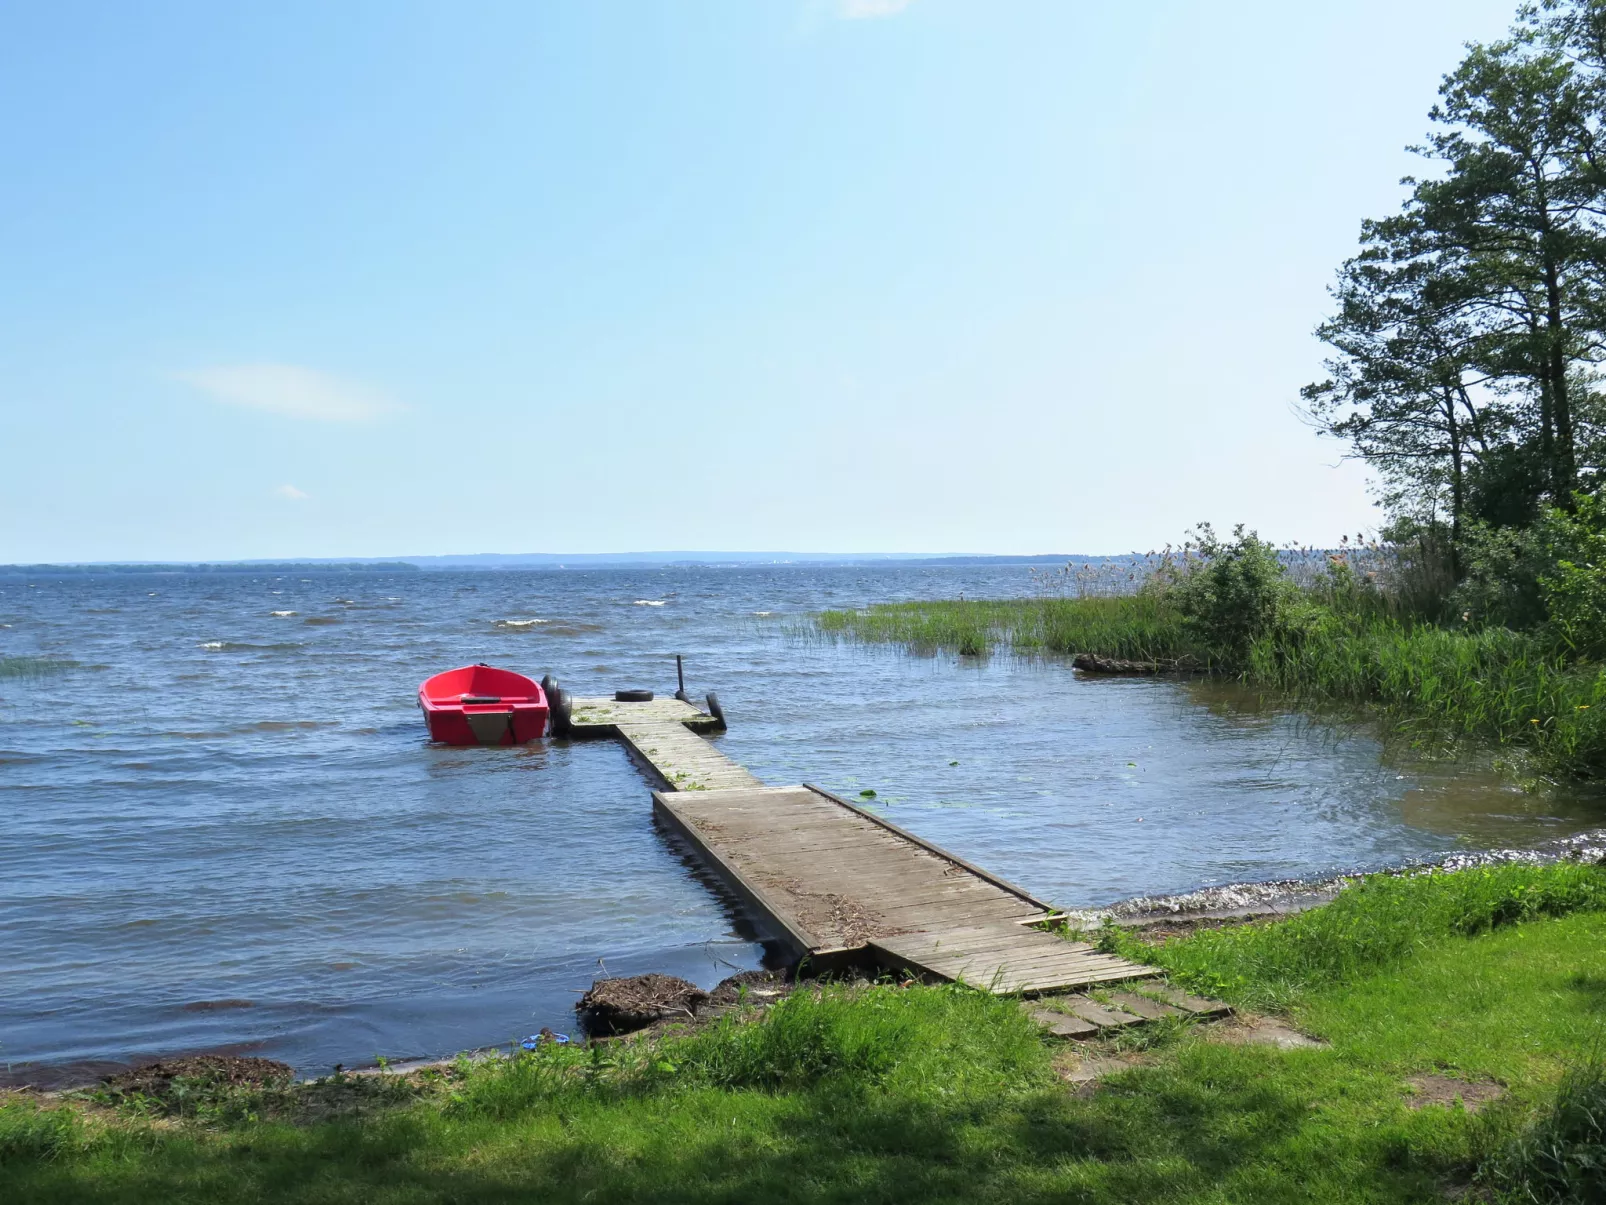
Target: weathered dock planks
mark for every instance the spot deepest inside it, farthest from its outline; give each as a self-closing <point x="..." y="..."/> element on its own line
<point x="662" y="738"/>
<point x="835" y="882"/>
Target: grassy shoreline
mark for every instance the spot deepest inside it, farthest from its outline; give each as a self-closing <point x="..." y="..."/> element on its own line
<point x="1491" y="981"/>
<point x="1436" y="686"/>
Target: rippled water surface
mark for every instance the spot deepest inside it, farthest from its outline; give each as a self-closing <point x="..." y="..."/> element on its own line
<point x="226" y="828"/>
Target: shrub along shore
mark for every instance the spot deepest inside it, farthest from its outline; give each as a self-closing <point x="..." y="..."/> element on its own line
<point x="1427" y="995"/>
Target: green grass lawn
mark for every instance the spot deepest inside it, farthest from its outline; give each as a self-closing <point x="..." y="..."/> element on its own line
<point x="930" y="1094"/>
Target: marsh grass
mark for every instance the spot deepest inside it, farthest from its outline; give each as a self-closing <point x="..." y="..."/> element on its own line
<point x="1437" y="688"/>
<point x="1138" y="627"/>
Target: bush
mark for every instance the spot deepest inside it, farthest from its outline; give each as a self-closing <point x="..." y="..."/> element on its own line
<point x="1501" y="583"/>
<point x="1237" y="592"/>
<point x="1574" y="587"/>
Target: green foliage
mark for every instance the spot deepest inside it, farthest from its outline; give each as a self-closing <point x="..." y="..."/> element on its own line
<point x="29" y="1133"/>
<point x="1236" y="593"/>
<point x="1373" y="924"/>
<point x="1502" y="567"/>
<point x="1574" y="586"/>
<point x="1439" y="687"/>
<point x="1561" y="1158"/>
<point x="1550" y="575"/>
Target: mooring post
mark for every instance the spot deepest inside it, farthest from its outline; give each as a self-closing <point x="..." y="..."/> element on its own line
<point x="680" y="675"/>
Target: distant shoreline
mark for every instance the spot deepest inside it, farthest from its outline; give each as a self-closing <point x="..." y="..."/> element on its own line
<point x="553" y="561"/>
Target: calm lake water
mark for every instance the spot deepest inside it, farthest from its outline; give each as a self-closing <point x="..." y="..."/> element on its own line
<point x="227" y="829"/>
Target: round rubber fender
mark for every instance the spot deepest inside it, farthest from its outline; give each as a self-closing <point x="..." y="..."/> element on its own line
<point x="549" y="686"/>
<point x="715" y="710"/>
<point x="560" y="706"/>
<point x="632" y="696"/>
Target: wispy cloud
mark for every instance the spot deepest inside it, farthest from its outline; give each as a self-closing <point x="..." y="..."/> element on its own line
<point x="291" y="391"/>
<point x="868" y="10"/>
<point x="290" y="492"/>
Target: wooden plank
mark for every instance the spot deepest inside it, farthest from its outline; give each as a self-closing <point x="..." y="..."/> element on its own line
<point x="938" y="850"/>
<point x="1062" y="1025"/>
<point x="801" y="940"/>
<point x="1177" y="998"/>
<point x="1149" y="1010"/>
<point x="1098" y="1014"/>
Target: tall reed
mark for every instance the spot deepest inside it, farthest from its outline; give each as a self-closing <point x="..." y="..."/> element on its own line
<point x="1140" y="627"/>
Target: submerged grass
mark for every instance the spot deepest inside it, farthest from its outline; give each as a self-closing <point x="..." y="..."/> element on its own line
<point x="942" y="1094"/>
<point x="34" y="667"/>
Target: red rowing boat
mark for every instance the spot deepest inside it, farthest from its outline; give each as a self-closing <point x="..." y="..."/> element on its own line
<point x="483" y="705"/>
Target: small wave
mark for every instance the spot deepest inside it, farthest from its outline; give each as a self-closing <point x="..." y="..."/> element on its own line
<point x="346" y="602"/>
<point x="281" y="614"/>
<point x="320" y="621"/>
<point x="232" y="646"/>
<point x="762" y="613"/>
<point x="649" y="602"/>
<point x="573" y="629"/>
<point x="519" y="623"/>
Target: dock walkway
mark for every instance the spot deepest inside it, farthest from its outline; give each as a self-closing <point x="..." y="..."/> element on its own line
<point x="838" y="883"/>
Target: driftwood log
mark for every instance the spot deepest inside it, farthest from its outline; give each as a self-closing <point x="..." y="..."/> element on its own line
<point x="1093" y="664"/>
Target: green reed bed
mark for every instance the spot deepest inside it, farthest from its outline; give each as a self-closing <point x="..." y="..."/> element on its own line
<point x="1141" y="627"/>
<point x="1436" y="686"/>
<point x="1439" y="686"/>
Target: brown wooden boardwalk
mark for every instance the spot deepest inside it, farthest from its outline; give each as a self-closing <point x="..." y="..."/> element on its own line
<point x="836" y="882"/>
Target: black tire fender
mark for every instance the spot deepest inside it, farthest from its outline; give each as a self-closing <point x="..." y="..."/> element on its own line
<point x="715" y="710"/>
<point x="559" y="708"/>
<point x="632" y="696"/>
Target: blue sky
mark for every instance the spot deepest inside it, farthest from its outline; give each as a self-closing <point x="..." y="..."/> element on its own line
<point x="387" y="278"/>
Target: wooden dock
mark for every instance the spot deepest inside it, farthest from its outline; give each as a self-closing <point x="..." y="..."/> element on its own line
<point x="661" y="737"/>
<point x="836" y="883"/>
